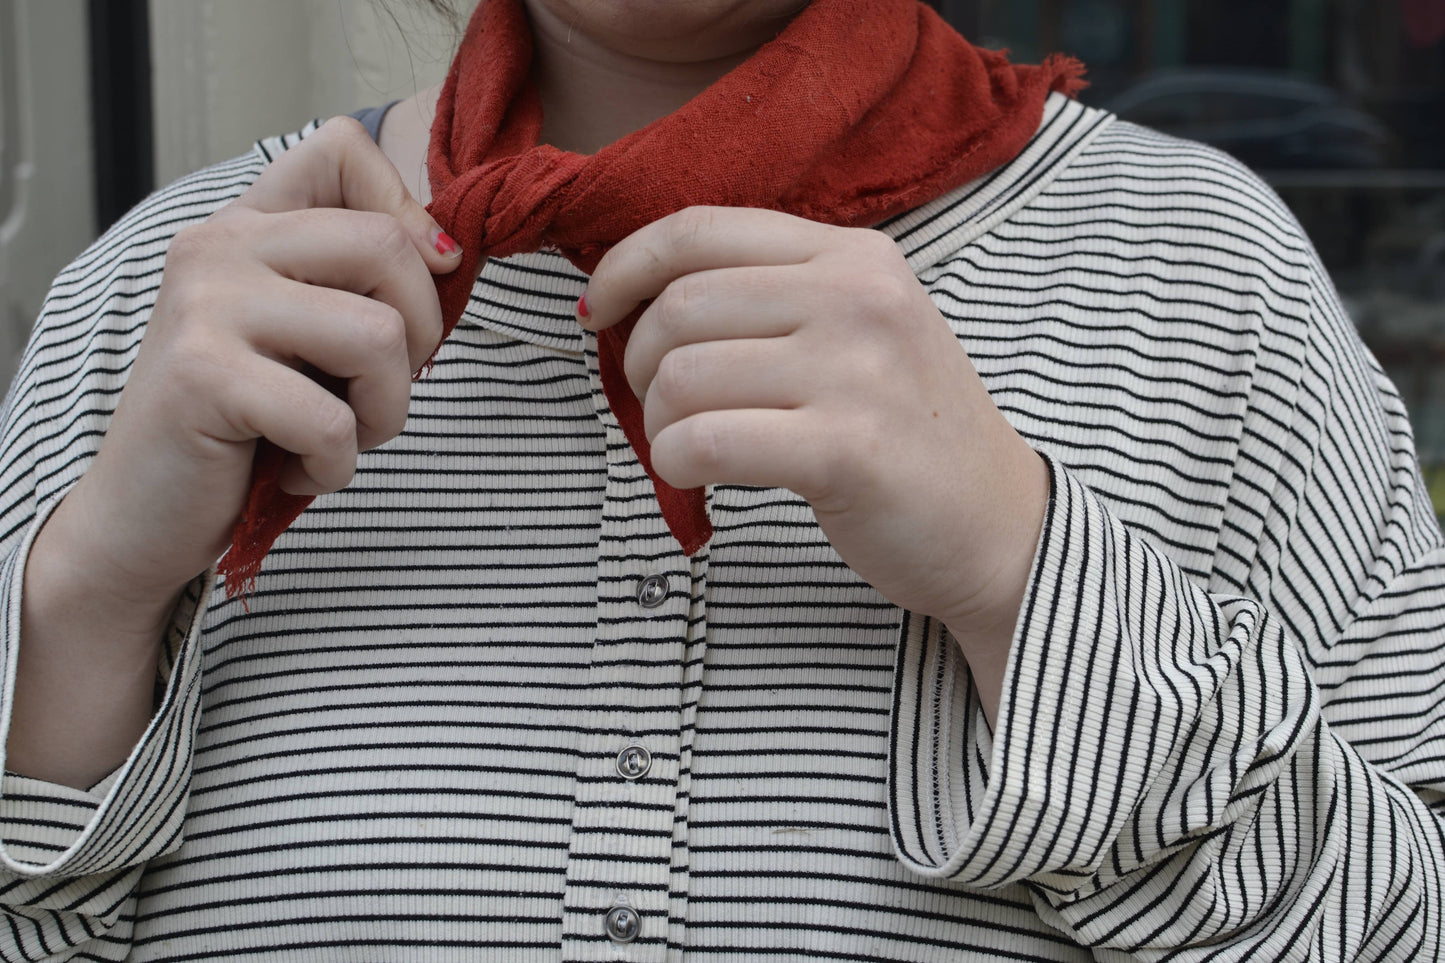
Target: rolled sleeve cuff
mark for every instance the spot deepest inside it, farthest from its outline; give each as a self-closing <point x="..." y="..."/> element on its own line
<point x="986" y="810"/>
<point x="135" y="814"/>
<point x="1138" y="714"/>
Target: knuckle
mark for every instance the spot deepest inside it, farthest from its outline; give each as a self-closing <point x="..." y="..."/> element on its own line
<point x="824" y="492"/>
<point x="335" y="428"/>
<point x="331" y="473"/>
<point x="673" y="306"/>
<point x="385" y="187"/>
<point x="386" y="240"/>
<point x="344" y="131"/>
<point x="391" y="237"/>
<point x="194" y="308"/>
<point x="195" y="365"/>
<point x="675" y="375"/>
<point x="191" y="244"/>
<point x="876" y="246"/>
<point x="688" y="227"/>
<point x="707" y="443"/>
<point x="380" y="427"/>
<point x="830" y="478"/>
<point x="667" y="311"/>
<point x="390" y="422"/>
<point x="382" y="329"/>
<point x="889" y="294"/>
<point x="692" y="293"/>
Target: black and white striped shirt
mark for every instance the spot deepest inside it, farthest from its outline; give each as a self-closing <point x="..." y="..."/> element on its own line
<point x="1222" y="734"/>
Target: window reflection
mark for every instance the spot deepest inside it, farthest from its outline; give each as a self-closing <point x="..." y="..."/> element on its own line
<point x="1338" y="104"/>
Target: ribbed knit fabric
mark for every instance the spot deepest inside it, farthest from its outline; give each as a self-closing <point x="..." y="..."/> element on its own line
<point x="1222" y="728"/>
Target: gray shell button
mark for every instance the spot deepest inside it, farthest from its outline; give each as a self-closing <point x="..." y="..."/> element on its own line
<point x="652" y="592"/>
<point x="633" y="762"/>
<point x="622" y="924"/>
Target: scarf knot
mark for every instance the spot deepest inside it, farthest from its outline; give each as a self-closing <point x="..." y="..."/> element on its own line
<point x="858" y="111"/>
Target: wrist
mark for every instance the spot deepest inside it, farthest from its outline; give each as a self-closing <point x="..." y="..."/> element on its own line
<point x="1012" y="543"/>
<point x="983" y="624"/>
<point x="76" y="577"/>
<point x="86" y="647"/>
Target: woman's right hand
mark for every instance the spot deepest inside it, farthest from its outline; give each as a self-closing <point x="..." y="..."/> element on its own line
<point x="298" y="313"/>
<point x="323" y="266"/>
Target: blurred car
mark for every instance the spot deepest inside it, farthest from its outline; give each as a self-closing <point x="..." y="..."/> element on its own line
<point x="1269" y="121"/>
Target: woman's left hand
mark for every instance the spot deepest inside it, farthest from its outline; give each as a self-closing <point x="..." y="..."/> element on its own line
<point x="782" y="352"/>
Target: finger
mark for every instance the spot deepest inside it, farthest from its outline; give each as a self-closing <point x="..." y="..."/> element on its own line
<point x="694" y="239"/>
<point x="272" y="401"/>
<point x="365" y="253"/>
<point x="718" y="375"/>
<point x="766" y="448"/>
<point x="340" y="166"/>
<point x="358" y="340"/>
<point x="714" y="305"/>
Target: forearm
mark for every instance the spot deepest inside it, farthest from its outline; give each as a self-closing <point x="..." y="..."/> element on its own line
<point x="984" y="628"/>
<point x="86" y="669"/>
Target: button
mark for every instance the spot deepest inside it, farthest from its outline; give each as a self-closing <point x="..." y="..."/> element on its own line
<point x="652" y="592"/>
<point x="633" y="762"/>
<point x="623" y="924"/>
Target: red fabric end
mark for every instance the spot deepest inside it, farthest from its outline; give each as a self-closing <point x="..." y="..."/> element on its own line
<point x="684" y="509"/>
<point x="269" y="511"/>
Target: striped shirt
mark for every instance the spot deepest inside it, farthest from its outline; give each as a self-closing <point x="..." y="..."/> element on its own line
<point x="482" y="708"/>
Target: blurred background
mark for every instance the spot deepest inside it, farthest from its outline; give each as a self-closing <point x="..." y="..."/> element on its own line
<point x="1339" y="104"/>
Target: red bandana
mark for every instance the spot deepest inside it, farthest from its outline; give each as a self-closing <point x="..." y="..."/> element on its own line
<point x="858" y="111"/>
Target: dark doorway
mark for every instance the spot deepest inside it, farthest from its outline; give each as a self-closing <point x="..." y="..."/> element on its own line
<point x="121" y="96"/>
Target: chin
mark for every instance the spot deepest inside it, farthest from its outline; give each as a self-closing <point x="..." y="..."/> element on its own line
<point x="674" y="30"/>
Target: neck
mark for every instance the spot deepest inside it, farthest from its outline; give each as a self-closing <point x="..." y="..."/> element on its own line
<point x="593" y="95"/>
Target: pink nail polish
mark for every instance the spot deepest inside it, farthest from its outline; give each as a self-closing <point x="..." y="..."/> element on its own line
<point x="583" y="311"/>
<point x="444" y="244"/>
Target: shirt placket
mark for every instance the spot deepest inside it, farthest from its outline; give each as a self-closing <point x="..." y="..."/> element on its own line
<point x="626" y="866"/>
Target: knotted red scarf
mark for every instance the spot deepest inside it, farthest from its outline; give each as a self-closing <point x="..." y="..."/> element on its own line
<point x="859" y="110"/>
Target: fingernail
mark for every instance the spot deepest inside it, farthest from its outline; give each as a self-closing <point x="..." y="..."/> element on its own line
<point x="583" y="312"/>
<point x="444" y="244"/>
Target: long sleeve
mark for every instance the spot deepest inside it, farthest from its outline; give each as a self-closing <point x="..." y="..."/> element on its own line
<point x="70" y="860"/>
<point x="1247" y="765"/>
